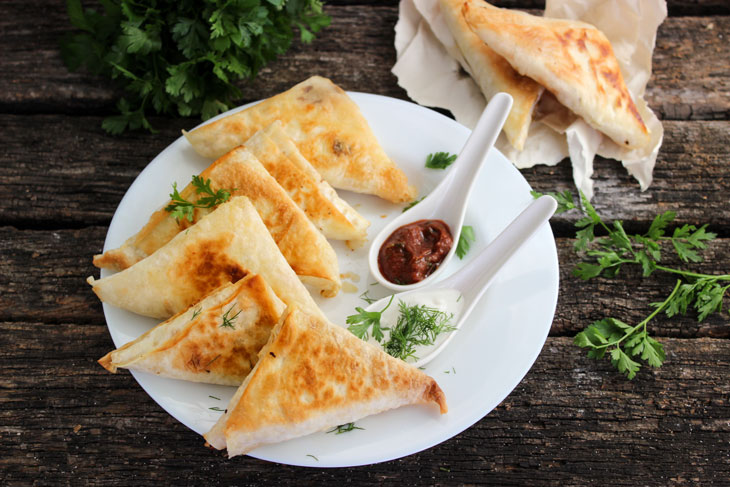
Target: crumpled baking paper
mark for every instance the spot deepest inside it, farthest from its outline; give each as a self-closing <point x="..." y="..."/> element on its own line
<point x="429" y="68"/>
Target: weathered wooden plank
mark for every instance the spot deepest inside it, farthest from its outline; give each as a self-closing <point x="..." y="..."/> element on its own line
<point x="690" y="72"/>
<point x="62" y="171"/>
<point x="42" y="278"/>
<point x="572" y="421"/>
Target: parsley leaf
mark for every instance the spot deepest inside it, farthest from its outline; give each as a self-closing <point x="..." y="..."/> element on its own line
<point x="180" y="208"/>
<point x="361" y="322"/>
<point x="182" y="57"/>
<point x="466" y="238"/>
<point x="439" y="160"/>
<point x="412" y="204"/>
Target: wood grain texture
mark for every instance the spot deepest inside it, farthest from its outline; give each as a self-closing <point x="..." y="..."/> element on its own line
<point x="690" y="73"/>
<point x="572" y="421"/>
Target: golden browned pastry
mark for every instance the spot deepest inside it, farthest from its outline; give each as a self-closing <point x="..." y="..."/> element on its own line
<point x="313" y="375"/>
<point x="328" y="129"/>
<point x="572" y="59"/>
<point x="222" y="247"/>
<point x="303" y="246"/>
<point x="332" y="215"/>
<point x="216" y="340"/>
<point x="492" y="72"/>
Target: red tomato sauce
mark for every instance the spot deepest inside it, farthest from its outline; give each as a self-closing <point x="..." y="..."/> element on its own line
<point x="412" y="252"/>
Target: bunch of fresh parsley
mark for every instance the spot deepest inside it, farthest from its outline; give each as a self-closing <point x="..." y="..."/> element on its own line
<point x="606" y="255"/>
<point x="183" y="57"/>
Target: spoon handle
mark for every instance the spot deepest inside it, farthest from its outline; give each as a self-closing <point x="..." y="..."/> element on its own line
<point x="474" y="279"/>
<point x="466" y="168"/>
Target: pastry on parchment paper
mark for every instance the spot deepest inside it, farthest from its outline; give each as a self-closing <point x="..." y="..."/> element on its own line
<point x="303" y="245"/>
<point x="571" y="59"/>
<point x="215" y="341"/>
<point x="224" y="246"/>
<point x="492" y="72"/>
<point x="327" y="128"/>
<point x="313" y="375"/>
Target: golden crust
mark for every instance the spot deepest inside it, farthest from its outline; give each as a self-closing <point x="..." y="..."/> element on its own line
<point x="222" y="247"/>
<point x="313" y="375"/>
<point x="492" y="72"/>
<point x="329" y="131"/>
<point x="303" y="246"/>
<point x="193" y="345"/>
<point x="572" y="59"/>
<point x="319" y="201"/>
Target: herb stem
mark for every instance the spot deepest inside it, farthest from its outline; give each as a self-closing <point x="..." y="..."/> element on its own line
<point x="721" y="277"/>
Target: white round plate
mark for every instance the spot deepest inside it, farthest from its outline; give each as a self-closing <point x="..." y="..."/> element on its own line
<point x="483" y="363"/>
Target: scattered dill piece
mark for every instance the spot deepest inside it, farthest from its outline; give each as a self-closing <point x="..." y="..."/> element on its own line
<point x="445" y="469"/>
<point x="216" y="398"/>
<point x="412" y="204"/>
<point x="312" y="456"/>
<point x="180" y="208"/>
<point x="214" y="359"/>
<point x="361" y="322"/>
<point x="439" y="160"/>
<point x="365" y="296"/>
<point x="195" y="314"/>
<point x="465" y="240"/>
<point x="228" y="321"/>
<point x="416" y="325"/>
<point x="344" y="428"/>
<point x="216" y="408"/>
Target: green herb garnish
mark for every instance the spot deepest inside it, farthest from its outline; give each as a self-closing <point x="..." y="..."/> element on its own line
<point x="216" y="408"/>
<point x="196" y="312"/>
<point x="606" y="255"/>
<point x="416" y="325"/>
<point x="182" y="58"/>
<point x="439" y="160"/>
<point x="182" y="208"/>
<point x="312" y="456"/>
<point x="228" y="321"/>
<point x="361" y="322"/>
<point x="216" y="398"/>
<point x="465" y="240"/>
<point x="344" y="428"/>
<point x="365" y="296"/>
<point x="412" y="204"/>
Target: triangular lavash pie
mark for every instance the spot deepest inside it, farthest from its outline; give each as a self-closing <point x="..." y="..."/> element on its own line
<point x="314" y="375"/>
<point x="493" y="73"/>
<point x="328" y="129"/>
<point x="222" y="247"/>
<point x="572" y="59"/>
<point x="303" y="246"/>
<point x="319" y="201"/>
<point x="216" y="340"/>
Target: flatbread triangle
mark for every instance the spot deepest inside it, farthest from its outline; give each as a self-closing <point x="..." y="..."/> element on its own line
<point x="215" y="341"/>
<point x="302" y="244"/>
<point x="571" y="59"/>
<point x="328" y="129"/>
<point x="222" y="247"/>
<point x="313" y="375"/>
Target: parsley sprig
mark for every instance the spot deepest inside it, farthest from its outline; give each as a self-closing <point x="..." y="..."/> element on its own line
<point x="440" y="160"/>
<point x="181" y="208"/>
<point x="606" y="255"/>
<point x="361" y="322"/>
<point x="344" y="428"/>
<point x="466" y="238"/>
<point x="182" y="57"/>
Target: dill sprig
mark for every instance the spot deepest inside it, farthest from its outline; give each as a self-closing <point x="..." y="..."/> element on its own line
<point x="344" y="428"/>
<point x="417" y="324"/>
<point x="605" y="256"/>
<point x="180" y="208"/>
<point x="228" y="321"/>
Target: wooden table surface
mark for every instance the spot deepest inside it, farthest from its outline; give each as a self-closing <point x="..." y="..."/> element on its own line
<point x="571" y="421"/>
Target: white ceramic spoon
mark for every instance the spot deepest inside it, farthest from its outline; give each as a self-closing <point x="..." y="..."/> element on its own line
<point x="464" y="288"/>
<point x="447" y="202"/>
